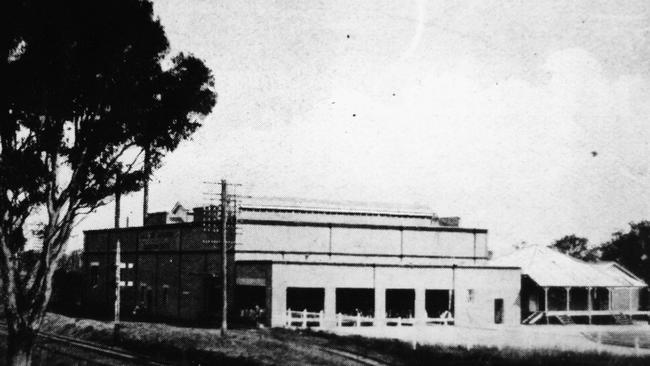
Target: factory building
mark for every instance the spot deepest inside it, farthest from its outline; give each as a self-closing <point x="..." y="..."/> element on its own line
<point x="306" y="264"/>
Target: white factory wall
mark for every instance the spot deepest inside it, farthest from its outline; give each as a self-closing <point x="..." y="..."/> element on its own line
<point x="487" y="284"/>
<point x="626" y="298"/>
<point x="384" y="241"/>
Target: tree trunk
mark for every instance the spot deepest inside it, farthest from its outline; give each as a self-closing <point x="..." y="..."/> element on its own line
<point x="20" y="343"/>
<point x="147" y="173"/>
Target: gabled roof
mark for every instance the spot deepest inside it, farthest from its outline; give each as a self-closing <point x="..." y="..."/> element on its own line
<point x="618" y="271"/>
<point x="550" y="268"/>
<point x="178" y="206"/>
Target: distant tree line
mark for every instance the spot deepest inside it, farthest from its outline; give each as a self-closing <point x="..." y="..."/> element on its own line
<point x="631" y="249"/>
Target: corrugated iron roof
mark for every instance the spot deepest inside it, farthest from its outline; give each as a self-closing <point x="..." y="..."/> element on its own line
<point x="342" y="206"/>
<point x="618" y="271"/>
<point x="550" y="268"/>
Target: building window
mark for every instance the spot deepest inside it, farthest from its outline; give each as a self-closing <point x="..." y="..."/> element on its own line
<point x="498" y="311"/>
<point x="94" y="273"/>
<point x="470" y="295"/>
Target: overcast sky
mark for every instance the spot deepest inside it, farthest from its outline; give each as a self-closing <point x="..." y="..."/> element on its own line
<point x="530" y="119"/>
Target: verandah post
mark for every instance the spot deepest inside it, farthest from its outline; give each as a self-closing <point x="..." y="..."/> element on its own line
<point x="609" y="298"/>
<point x="589" y="299"/>
<point x="568" y="299"/>
<point x="546" y="304"/>
<point x="629" y="292"/>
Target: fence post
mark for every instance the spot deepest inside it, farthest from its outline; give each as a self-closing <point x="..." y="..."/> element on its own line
<point x="320" y="318"/>
<point x="358" y="321"/>
<point x="399" y="321"/>
<point x="304" y="318"/>
<point x="287" y="318"/>
<point x="599" y="341"/>
<point x="338" y="319"/>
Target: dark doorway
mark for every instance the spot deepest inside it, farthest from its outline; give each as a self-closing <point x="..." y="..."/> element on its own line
<point x="579" y="297"/>
<point x="213" y="296"/>
<point x="437" y="302"/>
<point x="557" y="298"/>
<point x="302" y="298"/>
<point x="400" y="303"/>
<point x="250" y="304"/>
<point x="498" y="311"/>
<point x="600" y="298"/>
<point x="149" y="300"/>
<point x="350" y="301"/>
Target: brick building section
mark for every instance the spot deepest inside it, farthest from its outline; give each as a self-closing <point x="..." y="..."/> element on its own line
<point x="169" y="272"/>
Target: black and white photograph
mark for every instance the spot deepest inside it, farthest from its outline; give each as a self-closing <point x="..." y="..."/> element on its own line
<point x="326" y="182"/>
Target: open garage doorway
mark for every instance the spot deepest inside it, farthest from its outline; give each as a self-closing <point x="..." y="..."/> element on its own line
<point x="353" y="301"/>
<point x="400" y="303"/>
<point x="437" y="302"/>
<point x="250" y="304"/>
<point x="304" y="298"/>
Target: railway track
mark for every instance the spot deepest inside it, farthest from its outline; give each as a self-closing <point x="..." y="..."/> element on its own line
<point x="127" y="356"/>
<point x="92" y="347"/>
<point x="354" y="357"/>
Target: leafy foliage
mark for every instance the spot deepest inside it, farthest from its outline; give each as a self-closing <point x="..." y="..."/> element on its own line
<point x="576" y="247"/>
<point x="631" y="249"/>
<point x="93" y="90"/>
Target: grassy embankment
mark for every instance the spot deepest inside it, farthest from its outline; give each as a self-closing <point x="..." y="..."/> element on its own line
<point x="622" y="338"/>
<point x="286" y="347"/>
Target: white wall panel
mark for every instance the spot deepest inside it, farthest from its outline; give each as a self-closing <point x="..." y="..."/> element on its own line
<point x="365" y="241"/>
<point x="284" y="238"/>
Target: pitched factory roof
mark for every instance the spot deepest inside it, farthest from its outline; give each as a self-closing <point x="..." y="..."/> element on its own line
<point x="290" y="203"/>
<point x="550" y="268"/>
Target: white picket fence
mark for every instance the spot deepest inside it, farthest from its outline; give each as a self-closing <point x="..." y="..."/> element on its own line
<point x="445" y="318"/>
<point x="304" y="319"/>
<point x="354" y="320"/>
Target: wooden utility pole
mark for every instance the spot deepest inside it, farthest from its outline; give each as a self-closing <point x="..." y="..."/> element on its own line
<point x="117" y="209"/>
<point x="118" y="280"/>
<point x="118" y="265"/>
<point x="224" y="256"/>
<point x="215" y="221"/>
<point x="452" y="292"/>
<point x="118" y="196"/>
